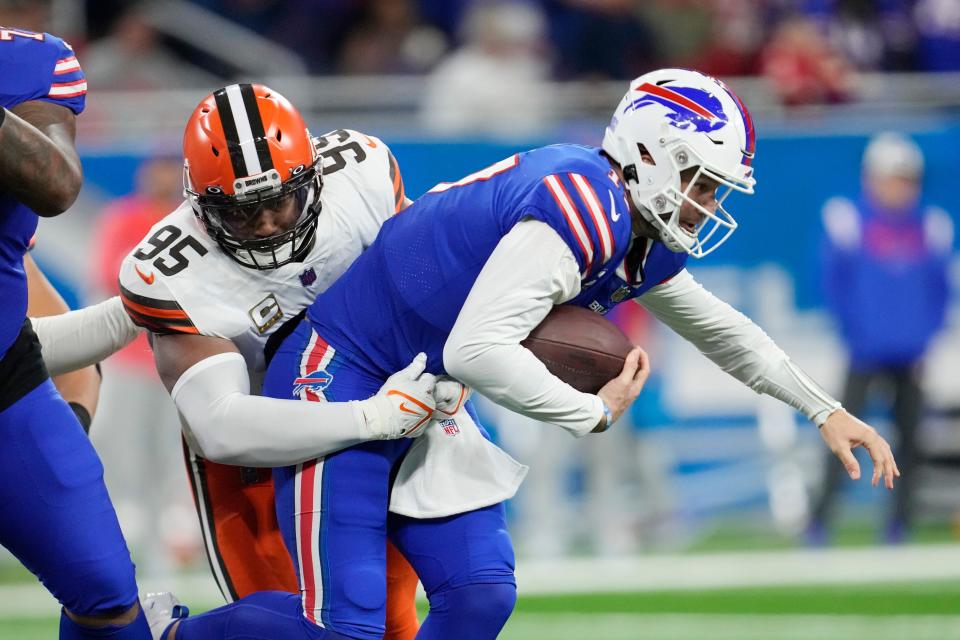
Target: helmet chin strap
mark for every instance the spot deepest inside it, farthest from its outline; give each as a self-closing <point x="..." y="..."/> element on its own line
<point x="652" y="220"/>
<point x="670" y="240"/>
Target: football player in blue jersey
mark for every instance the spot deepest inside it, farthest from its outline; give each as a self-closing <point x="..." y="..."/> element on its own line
<point x="464" y="275"/>
<point x="58" y="520"/>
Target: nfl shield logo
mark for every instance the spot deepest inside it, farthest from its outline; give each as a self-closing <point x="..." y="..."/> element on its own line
<point x="450" y="427"/>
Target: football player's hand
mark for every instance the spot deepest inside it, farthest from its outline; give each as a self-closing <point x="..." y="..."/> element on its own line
<point x="843" y="433"/>
<point x="404" y="405"/>
<point x="450" y="395"/>
<point x="619" y="393"/>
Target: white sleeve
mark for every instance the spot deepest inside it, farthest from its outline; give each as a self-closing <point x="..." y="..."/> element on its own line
<point x="529" y="272"/>
<point x="736" y="344"/>
<point x="84" y="337"/>
<point x="224" y="423"/>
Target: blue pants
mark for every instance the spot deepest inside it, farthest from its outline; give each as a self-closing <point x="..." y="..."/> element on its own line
<point x="333" y="512"/>
<point x="57" y="517"/>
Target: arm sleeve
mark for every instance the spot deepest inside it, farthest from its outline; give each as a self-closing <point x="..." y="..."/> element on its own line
<point x="224" y="423"/>
<point x="84" y="337"/>
<point x="529" y="272"/>
<point x="736" y="344"/>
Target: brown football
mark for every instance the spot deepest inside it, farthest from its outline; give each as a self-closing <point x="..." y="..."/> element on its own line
<point x="580" y="347"/>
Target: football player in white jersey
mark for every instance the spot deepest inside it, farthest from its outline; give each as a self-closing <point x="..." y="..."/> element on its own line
<point x="272" y="217"/>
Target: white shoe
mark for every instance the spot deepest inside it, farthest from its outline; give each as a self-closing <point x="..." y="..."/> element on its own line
<point x="161" y="610"/>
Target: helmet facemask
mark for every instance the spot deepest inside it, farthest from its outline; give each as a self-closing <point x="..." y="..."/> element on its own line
<point x="251" y="169"/>
<point x="232" y="220"/>
<point x="662" y="207"/>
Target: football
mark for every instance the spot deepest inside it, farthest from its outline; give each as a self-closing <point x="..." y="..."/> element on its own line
<point x="580" y="347"/>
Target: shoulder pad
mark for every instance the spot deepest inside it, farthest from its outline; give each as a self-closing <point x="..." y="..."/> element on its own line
<point x="47" y="70"/>
<point x="147" y="271"/>
<point x="149" y="303"/>
<point x="590" y="213"/>
<point x="366" y="161"/>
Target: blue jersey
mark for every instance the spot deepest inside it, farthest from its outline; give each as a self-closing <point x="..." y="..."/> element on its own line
<point x="33" y="66"/>
<point x="404" y="293"/>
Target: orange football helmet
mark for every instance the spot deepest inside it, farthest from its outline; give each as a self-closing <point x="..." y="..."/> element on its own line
<point x="247" y="151"/>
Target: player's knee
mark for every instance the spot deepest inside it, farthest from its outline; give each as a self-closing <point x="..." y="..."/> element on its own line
<point x="480" y="603"/>
<point x="109" y="617"/>
<point x="499" y="599"/>
<point x="109" y="594"/>
<point x="363" y="586"/>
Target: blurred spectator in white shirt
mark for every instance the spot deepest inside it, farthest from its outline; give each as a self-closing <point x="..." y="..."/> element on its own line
<point x="496" y="84"/>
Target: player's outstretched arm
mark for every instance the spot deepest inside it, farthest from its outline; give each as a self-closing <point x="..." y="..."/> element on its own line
<point x="741" y="348"/>
<point x="39" y="165"/>
<point x="208" y="381"/>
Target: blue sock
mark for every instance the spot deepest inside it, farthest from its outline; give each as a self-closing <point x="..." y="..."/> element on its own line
<point x="265" y="615"/>
<point x="136" y="630"/>
<point x="472" y="612"/>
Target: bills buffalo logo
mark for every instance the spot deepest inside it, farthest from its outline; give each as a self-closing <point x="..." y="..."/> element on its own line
<point x="688" y="108"/>
<point x="450" y="427"/>
<point x="316" y="381"/>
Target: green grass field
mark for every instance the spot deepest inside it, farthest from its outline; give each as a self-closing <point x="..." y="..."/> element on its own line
<point x="908" y="611"/>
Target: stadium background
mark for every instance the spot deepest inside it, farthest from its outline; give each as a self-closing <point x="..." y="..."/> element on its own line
<point x="686" y="521"/>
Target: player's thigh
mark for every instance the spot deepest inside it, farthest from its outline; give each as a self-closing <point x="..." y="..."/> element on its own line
<point x="333" y="511"/>
<point x="58" y="519"/>
<point x="333" y="516"/>
<point x="467" y="548"/>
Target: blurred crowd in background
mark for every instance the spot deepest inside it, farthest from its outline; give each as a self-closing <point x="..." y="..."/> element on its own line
<point x="812" y="50"/>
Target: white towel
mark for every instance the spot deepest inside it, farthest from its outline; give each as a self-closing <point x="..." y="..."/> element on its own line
<point x="463" y="471"/>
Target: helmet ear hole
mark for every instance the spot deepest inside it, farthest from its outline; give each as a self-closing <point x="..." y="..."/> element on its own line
<point x="645" y="154"/>
<point x="279" y="135"/>
<point x="215" y="151"/>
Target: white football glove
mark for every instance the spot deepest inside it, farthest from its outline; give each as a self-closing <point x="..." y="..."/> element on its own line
<point x="404" y="405"/>
<point x="450" y="395"/>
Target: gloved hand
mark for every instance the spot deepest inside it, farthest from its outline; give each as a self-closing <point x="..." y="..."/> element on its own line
<point x="404" y="405"/>
<point x="450" y="395"/>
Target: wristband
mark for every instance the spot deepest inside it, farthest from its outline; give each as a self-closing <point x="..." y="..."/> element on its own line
<point x="83" y="416"/>
<point x="607" y="418"/>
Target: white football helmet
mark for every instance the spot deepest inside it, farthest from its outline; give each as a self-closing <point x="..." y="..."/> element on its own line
<point x="682" y="119"/>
